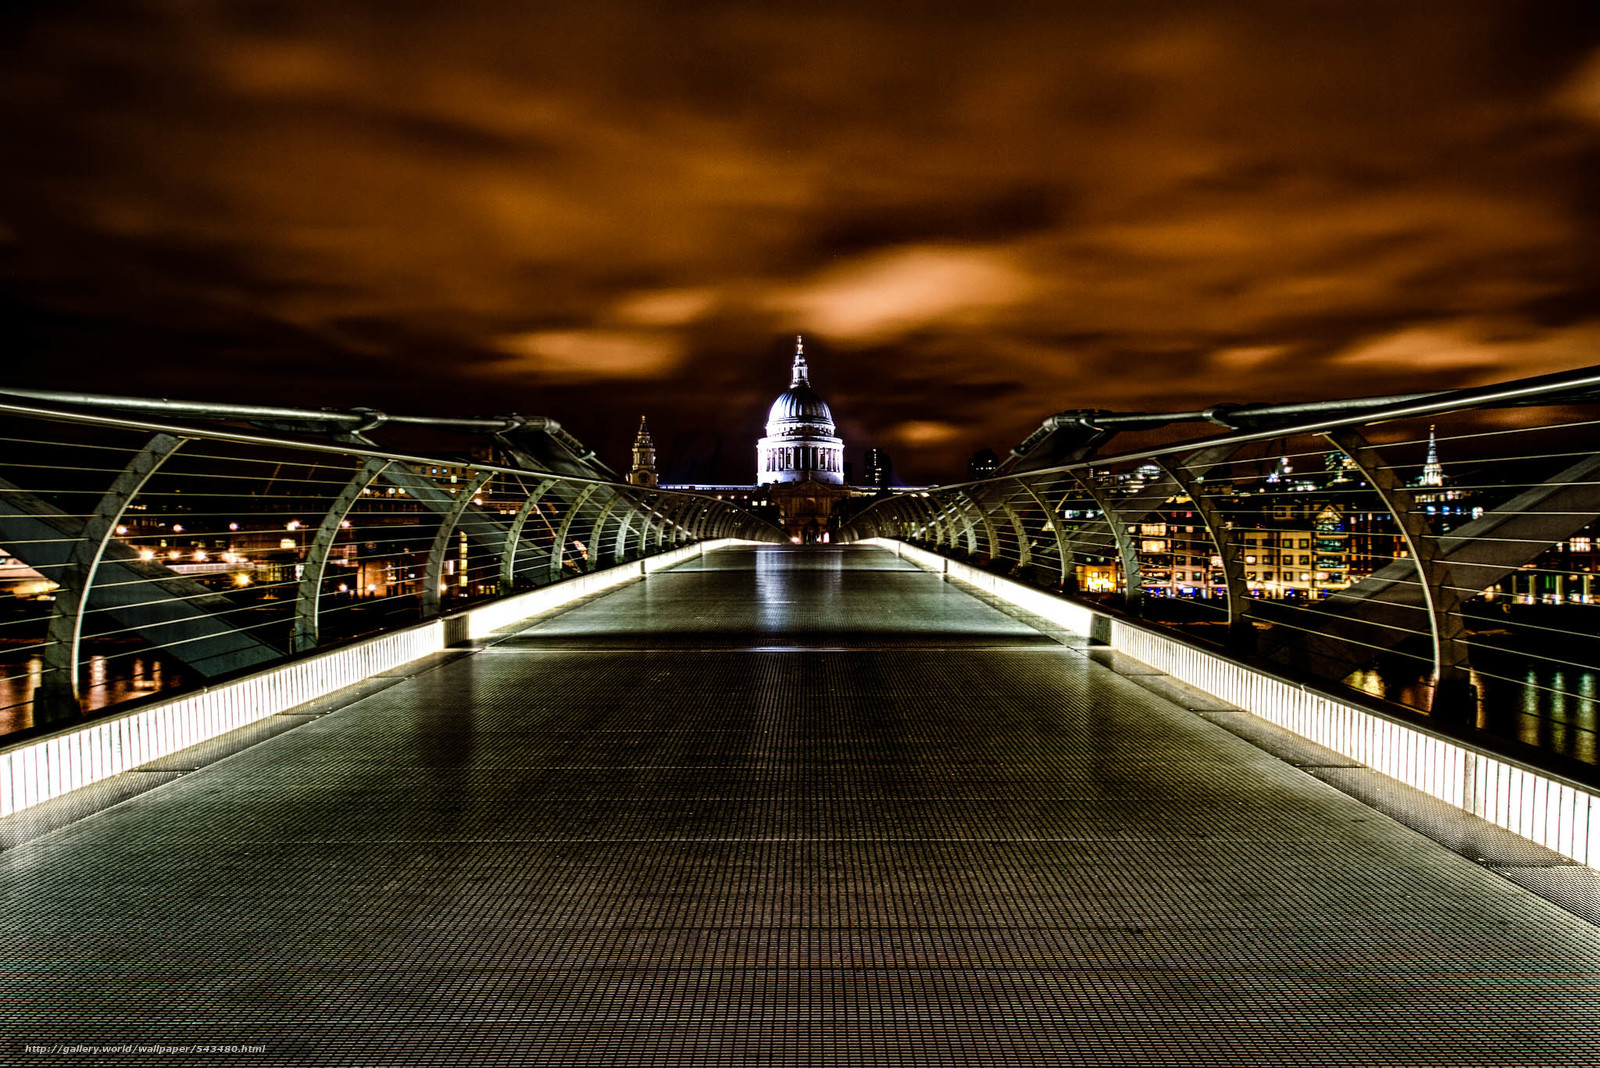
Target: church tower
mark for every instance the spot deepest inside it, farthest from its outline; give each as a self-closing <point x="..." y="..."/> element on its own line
<point x="644" y="458"/>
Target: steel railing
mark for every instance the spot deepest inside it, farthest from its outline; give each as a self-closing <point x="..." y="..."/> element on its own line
<point x="1435" y="550"/>
<point x="149" y="548"/>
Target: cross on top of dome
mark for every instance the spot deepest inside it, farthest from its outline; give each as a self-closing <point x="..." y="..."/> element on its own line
<point x="799" y="406"/>
<point x="800" y="377"/>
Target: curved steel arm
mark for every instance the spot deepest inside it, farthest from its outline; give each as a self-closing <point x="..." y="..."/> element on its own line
<point x="441" y="541"/>
<point x="1069" y="569"/>
<point x="597" y="533"/>
<point x="60" y="683"/>
<point x="973" y="506"/>
<point x="508" y="559"/>
<point x="1132" y="578"/>
<point x="671" y="525"/>
<point x="956" y="522"/>
<point x="558" y="551"/>
<point x="1024" y="541"/>
<point x="1238" y="590"/>
<point x="308" y="593"/>
<point x="1440" y="600"/>
<point x="933" y="519"/>
<point x="653" y="521"/>
<point x="632" y="512"/>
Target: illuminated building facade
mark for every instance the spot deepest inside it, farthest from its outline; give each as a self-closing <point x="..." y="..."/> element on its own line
<point x="800" y="445"/>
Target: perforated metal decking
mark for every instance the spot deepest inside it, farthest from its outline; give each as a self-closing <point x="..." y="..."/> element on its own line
<point x="778" y="806"/>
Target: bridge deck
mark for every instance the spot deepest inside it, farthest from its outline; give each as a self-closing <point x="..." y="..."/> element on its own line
<point x="778" y="806"/>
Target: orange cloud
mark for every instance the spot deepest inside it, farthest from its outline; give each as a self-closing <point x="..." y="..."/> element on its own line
<point x="919" y="433"/>
<point x="581" y="355"/>
<point x="982" y="216"/>
<point x="1580" y="96"/>
<point x="892" y="293"/>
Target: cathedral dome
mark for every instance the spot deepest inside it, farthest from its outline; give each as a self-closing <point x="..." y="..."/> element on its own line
<point x="800" y="445"/>
<point x="799" y="404"/>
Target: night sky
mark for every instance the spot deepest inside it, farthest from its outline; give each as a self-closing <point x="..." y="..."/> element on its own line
<point x="977" y="214"/>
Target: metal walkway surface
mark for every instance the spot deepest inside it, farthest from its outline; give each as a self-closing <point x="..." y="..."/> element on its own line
<point x="775" y="806"/>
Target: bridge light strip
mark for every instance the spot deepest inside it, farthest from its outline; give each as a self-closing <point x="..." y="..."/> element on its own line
<point x="39" y="770"/>
<point x="1558" y="815"/>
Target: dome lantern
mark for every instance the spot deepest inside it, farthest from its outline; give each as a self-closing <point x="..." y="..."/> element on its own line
<point x="800" y="375"/>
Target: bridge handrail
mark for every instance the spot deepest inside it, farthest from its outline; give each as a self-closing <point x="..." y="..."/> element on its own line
<point x="1443" y="552"/>
<point x="160" y="553"/>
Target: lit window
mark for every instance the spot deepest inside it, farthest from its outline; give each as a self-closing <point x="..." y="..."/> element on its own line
<point x="1582" y="544"/>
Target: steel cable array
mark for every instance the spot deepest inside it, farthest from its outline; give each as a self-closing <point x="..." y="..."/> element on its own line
<point x="152" y="556"/>
<point x="1439" y="551"/>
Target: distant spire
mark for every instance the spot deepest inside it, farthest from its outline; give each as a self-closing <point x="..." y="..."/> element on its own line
<point x="801" y="376"/>
<point x="1432" y="470"/>
<point x="644" y="457"/>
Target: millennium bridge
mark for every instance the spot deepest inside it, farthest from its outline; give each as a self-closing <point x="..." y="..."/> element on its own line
<point x="1263" y="734"/>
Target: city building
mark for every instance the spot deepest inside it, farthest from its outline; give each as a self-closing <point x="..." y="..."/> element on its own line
<point x="800" y="445"/>
<point x="803" y="483"/>
<point x="801" y="460"/>
<point x="878" y="468"/>
<point x="983" y="463"/>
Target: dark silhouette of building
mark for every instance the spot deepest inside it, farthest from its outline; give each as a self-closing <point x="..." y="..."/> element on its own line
<point x="878" y="468"/>
<point x="983" y="464"/>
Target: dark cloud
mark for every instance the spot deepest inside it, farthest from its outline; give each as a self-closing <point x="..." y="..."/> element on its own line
<point x="978" y="216"/>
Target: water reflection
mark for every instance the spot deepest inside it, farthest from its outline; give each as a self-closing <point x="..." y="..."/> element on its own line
<point x="1556" y="709"/>
<point x="107" y="680"/>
